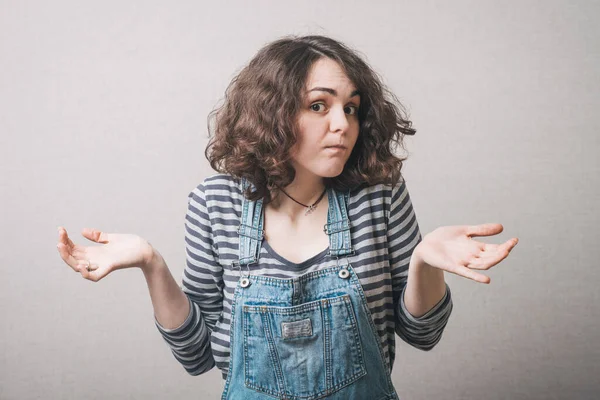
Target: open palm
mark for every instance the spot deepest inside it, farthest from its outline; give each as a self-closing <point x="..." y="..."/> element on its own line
<point x="117" y="251"/>
<point x="452" y="249"/>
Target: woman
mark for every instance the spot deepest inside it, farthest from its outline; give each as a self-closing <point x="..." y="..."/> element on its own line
<point x="304" y="255"/>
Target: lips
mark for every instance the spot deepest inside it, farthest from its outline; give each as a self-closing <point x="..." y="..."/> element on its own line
<point x="336" y="147"/>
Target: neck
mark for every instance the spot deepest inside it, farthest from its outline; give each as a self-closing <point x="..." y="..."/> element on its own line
<point x="305" y="189"/>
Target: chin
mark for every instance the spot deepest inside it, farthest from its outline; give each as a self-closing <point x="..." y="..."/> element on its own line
<point x="331" y="172"/>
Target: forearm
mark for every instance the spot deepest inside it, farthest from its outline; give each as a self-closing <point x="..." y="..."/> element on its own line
<point x="171" y="305"/>
<point x="425" y="286"/>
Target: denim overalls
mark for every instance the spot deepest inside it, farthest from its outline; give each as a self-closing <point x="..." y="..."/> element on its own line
<point x="309" y="337"/>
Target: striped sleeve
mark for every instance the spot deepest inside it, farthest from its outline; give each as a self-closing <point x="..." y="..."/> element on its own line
<point x="203" y="285"/>
<point x="403" y="236"/>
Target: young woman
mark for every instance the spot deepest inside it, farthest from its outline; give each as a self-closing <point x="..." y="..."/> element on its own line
<point x="304" y="255"/>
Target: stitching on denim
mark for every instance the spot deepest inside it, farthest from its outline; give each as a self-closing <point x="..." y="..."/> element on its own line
<point x="231" y="344"/>
<point x="275" y="359"/>
<point x="328" y="356"/>
<point x="311" y="306"/>
<point x="354" y="323"/>
<point x="365" y="307"/>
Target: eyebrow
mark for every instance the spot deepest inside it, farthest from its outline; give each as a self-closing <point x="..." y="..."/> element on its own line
<point x="332" y="91"/>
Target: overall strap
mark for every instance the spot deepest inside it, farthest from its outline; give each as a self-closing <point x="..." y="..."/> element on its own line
<point x="250" y="231"/>
<point x="338" y="224"/>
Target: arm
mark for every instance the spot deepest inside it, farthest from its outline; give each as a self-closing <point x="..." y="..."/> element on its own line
<point x="425" y="286"/>
<point x="185" y="318"/>
<point x="171" y="305"/>
<point x="422" y="299"/>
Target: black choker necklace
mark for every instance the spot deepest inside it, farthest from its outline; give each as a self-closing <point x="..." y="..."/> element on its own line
<point x="310" y="208"/>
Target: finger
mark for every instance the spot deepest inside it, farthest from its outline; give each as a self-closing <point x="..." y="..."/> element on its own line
<point x="82" y="268"/>
<point x="66" y="256"/>
<point x="63" y="237"/>
<point x="486" y="262"/>
<point x="492" y="257"/>
<point x="95" y="235"/>
<point x="483" y="250"/>
<point x="461" y="270"/>
<point x="500" y="248"/>
<point x="77" y="252"/>
<point x="87" y="264"/>
<point x="70" y="253"/>
<point x="94" y="273"/>
<point x="489" y="229"/>
<point x="65" y="249"/>
<point x="510" y="244"/>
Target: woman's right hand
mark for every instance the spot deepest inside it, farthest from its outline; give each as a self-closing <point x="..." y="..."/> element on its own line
<point x="118" y="251"/>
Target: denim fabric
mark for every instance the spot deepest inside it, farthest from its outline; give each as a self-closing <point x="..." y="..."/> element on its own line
<point x="309" y="337"/>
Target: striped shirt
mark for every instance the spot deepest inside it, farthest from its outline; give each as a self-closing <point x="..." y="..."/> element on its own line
<point x="384" y="232"/>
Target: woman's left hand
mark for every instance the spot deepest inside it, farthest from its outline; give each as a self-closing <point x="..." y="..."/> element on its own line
<point x="452" y="249"/>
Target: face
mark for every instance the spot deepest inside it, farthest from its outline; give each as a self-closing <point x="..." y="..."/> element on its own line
<point x="328" y="117"/>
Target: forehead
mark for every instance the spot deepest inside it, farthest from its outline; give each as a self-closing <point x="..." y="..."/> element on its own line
<point x="328" y="73"/>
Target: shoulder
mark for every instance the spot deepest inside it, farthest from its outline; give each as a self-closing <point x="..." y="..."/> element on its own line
<point x="380" y="191"/>
<point x="378" y="198"/>
<point x="217" y="198"/>
<point x="220" y="186"/>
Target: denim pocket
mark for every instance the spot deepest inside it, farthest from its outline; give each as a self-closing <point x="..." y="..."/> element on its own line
<point x="303" y="351"/>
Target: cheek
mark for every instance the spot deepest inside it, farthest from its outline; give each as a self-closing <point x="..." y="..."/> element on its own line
<point x="309" y="141"/>
<point x="306" y="150"/>
<point x="353" y="138"/>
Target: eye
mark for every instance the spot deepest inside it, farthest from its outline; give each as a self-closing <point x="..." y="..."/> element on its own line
<point x="352" y="110"/>
<point x="315" y="107"/>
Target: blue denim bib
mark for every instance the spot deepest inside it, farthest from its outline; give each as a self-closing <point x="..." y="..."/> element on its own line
<point x="304" y="338"/>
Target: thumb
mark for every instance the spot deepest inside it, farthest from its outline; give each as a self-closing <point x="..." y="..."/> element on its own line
<point x="95" y="235"/>
<point x="488" y="229"/>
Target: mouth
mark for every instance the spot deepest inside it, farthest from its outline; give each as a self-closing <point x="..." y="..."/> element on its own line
<point x="336" y="150"/>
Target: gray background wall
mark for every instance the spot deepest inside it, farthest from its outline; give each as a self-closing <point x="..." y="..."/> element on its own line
<point x="103" y="110"/>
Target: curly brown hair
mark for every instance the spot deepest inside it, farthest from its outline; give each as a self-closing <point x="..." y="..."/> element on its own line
<point x="256" y="126"/>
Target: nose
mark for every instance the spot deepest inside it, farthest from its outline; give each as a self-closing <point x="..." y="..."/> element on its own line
<point x="338" y="121"/>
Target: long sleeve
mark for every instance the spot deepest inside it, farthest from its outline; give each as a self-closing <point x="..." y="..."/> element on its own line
<point x="202" y="283"/>
<point x="403" y="236"/>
